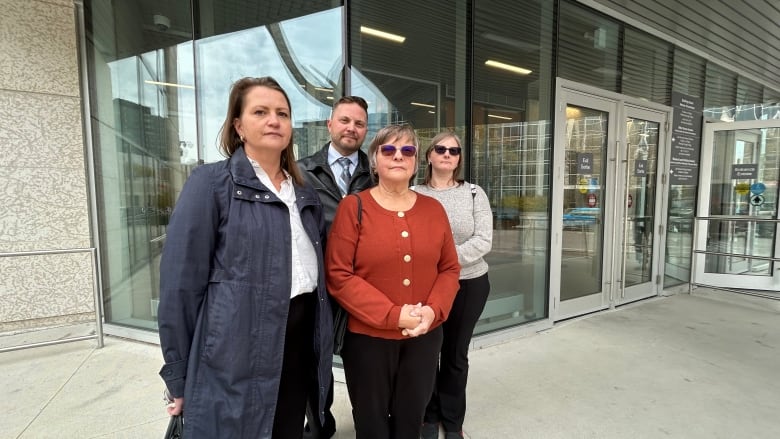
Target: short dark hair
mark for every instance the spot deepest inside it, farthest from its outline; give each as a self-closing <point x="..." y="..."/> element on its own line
<point x="352" y="100"/>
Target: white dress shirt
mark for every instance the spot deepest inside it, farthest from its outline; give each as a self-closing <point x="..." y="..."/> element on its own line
<point x="304" y="258"/>
<point x="335" y="167"/>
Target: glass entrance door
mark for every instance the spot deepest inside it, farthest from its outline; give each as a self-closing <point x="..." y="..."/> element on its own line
<point x="643" y="136"/>
<point x="604" y="230"/>
<point x="738" y="201"/>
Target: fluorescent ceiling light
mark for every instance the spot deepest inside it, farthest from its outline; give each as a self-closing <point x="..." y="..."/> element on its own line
<point x="323" y="89"/>
<point x="381" y="34"/>
<point x="169" y="84"/>
<point x="329" y="97"/>
<point x="423" y="105"/>
<point x="432" y="112"/>
<point x="509" y="67"/>
<point x="495" y="116"/>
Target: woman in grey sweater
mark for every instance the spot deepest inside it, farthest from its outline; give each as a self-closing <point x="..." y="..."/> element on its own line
<point x="471" y="220"/>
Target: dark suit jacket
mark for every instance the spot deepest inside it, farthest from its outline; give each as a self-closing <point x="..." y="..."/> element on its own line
<point x="317" y="172"/>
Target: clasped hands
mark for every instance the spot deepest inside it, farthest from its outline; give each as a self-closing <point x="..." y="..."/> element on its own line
<point x="415" y="319"/>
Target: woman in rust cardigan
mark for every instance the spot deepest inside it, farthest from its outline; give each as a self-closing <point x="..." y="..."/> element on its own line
<point x="395" y="270"/>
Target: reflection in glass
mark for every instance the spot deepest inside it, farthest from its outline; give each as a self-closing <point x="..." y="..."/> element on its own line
<point x="739" y="198"/>
<point x="147" y="134"/>
<point x="309" y="70"/>
<point x="142" y="100"/>
<point x="511" y="141"/>
<point x="642" y="141"/>
<point x="583" y="202"/>
<point x="589" y="47"/>
<point x="647" y="61"/>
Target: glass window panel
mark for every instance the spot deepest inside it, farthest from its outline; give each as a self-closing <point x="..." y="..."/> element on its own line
<point x="720" y="94"/>
<point x="642" y="137"/>
<point x="142" y="101"/>
<point x="582" y="237"/>
<point x="420" y="80"/>
<point x="309" y="70"/>
<point x="511" y="153"/>
<point x="142" y="74"/>
<point x="688" y="78"/>
<point x="679" y="234"/>
<point x="647" y="62"/>
<point x="588" y="47"/>
<point x="771" y="107"/>
<point x="743" y="233"/>
<point x="222" y="17"/>
<point x="749" y="100"/>
<point x="690" y="72"/>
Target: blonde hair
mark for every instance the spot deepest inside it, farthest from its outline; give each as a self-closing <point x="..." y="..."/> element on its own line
<point x="386" y="134"/>
<point x="456" y="173"/>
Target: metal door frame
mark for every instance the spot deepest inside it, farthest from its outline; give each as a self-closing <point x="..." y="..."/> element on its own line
<point x="699" y="277"/>
<point x="612" y="257"/>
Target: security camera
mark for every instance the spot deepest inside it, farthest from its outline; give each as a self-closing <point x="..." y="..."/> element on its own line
<point x="161" y="22"/>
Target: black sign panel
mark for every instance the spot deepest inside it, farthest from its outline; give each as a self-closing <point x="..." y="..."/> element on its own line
<point x="744" y="171"/>
<point x="686" y="139"/>
<point x="681" y="174"/>
<point x="584" y="163"/>
<point x="640" y="168"/>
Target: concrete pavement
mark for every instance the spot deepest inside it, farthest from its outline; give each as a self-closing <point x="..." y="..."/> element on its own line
<point x="671" y="367"/>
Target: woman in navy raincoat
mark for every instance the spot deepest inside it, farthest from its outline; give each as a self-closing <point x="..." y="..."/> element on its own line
<point x="243" y="317"/>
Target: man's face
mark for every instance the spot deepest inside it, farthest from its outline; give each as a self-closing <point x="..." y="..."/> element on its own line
<point x="348" y="126"/>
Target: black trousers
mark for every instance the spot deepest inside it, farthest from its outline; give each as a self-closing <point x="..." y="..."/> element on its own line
<point x="390" y="382"/>
<point x="313" y="428"/>
<point x="296" y="367"/>
<point x="448" y="403"/>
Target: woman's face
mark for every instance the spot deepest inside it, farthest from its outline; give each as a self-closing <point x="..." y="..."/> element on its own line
<point x="265" y="122"/>
<point x="444" y="160"/>
<point x="396" y="161"/>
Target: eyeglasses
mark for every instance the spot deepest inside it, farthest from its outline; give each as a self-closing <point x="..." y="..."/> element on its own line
<point x="454" y="150"/>
<point x="406" y="151"/>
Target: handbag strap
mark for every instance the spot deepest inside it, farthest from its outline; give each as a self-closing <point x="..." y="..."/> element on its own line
<point x="359" y="224"/>
<point x="359" y="210"/>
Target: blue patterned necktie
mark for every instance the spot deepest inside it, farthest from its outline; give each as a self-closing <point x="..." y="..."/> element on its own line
<point x="345" y="176"/>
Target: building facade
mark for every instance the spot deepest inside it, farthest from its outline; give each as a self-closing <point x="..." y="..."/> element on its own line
<point x="599" y="130"/>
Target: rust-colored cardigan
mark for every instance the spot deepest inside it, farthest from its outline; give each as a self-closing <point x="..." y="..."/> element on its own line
<point x="401" y="258"/>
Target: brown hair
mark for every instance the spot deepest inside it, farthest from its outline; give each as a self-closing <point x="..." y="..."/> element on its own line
<point x="456" y="173"/>
<point x="230" y="141"/>
<point x="352" y="100"/>
<point x="386" y="134"/>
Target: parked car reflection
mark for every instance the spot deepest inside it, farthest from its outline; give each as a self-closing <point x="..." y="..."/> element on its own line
<point x="580" y="217"/>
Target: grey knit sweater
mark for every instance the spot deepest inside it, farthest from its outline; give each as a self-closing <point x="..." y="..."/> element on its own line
<point x="471" y="221"/>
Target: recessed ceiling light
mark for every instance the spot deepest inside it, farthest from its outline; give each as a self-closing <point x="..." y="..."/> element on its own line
<point x="509" y="67"/>
<point x="381" y="34"/>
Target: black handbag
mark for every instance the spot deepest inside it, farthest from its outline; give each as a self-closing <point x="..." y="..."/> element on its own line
<point x="340" y="316"/>
<point x="175" y="428"/>
<point x="339" y="327"/>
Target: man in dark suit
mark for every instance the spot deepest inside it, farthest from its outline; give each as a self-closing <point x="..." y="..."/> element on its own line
<point x="338" y="169"/>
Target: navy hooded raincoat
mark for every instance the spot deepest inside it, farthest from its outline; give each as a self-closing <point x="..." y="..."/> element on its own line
<point x="224" y="297"/>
